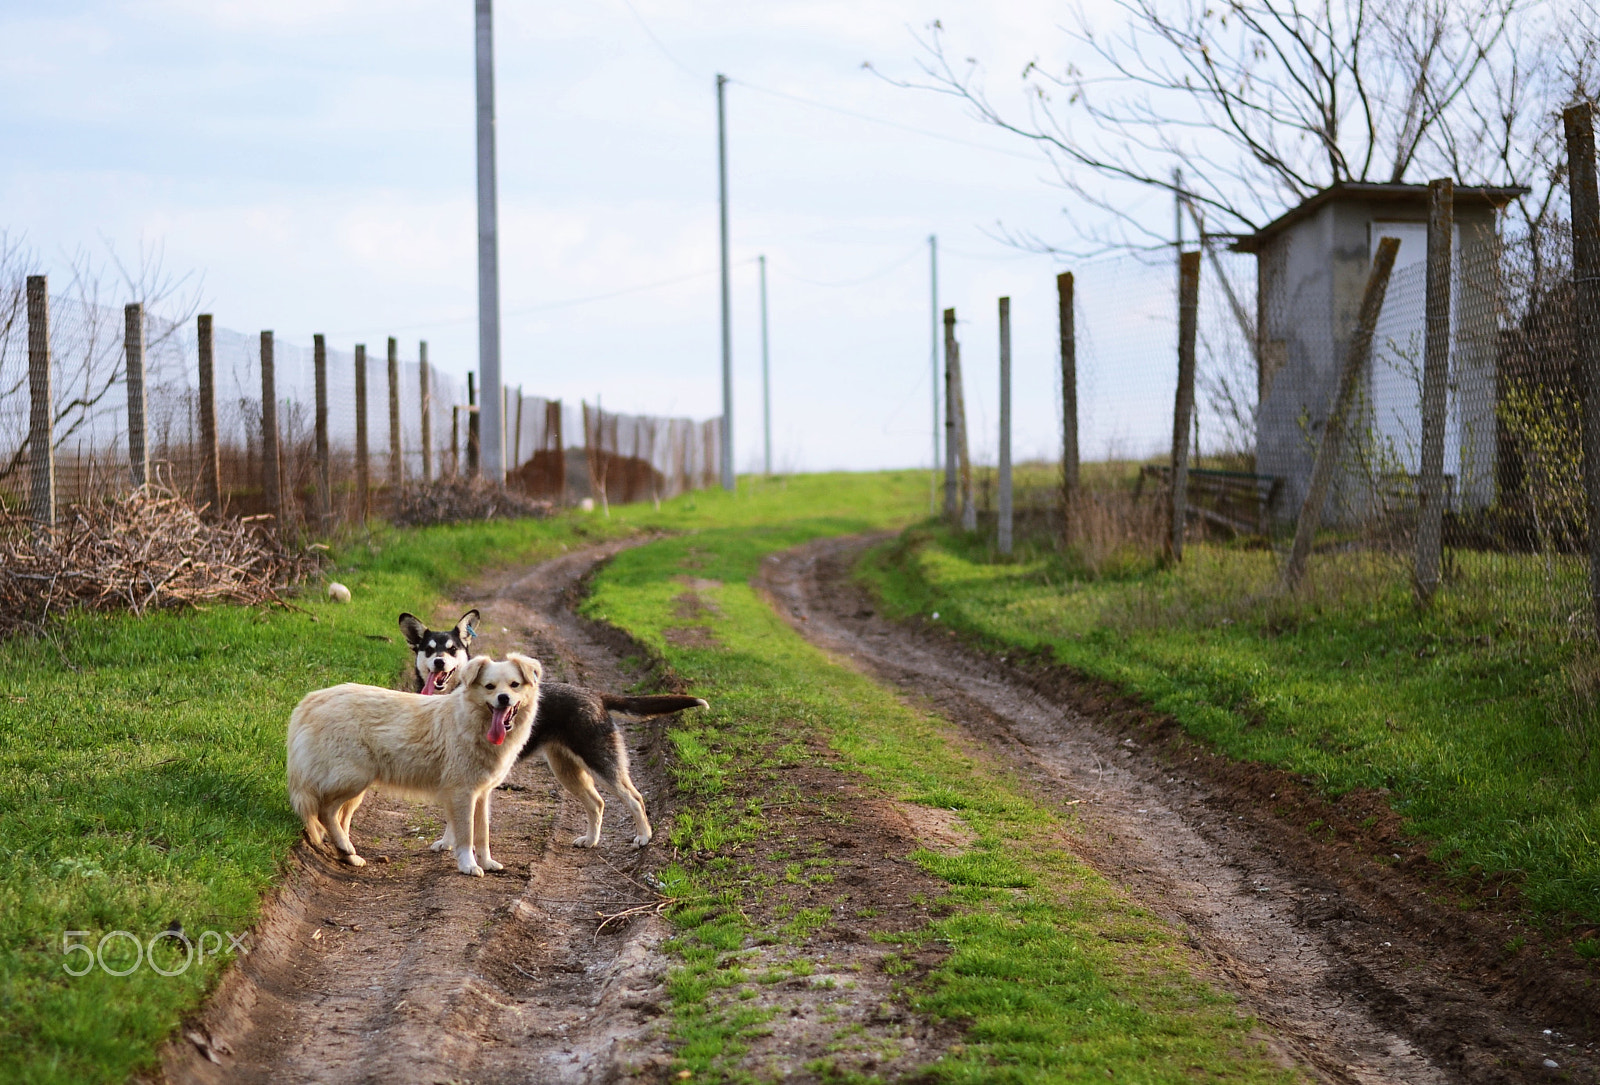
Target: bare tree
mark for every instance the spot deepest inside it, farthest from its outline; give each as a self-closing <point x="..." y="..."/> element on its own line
<point x="86" y="332"/>
<point x="1264" y="102"/>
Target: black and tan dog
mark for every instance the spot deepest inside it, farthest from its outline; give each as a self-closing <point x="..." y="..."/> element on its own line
<point x="573" y="730"/>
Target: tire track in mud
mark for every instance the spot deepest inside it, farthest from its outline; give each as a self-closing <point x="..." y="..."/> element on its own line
<point x="1361" y="981"/>
<point x="406" y="971"/>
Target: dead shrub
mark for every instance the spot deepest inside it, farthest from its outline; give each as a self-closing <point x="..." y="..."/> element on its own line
<point x="147" y="550"/>
<point x="458" y="500"/>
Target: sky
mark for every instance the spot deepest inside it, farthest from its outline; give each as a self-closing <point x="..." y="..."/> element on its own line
<point x="312" y="163"/>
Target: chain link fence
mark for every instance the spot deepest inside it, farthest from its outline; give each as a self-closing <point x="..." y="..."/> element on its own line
<point x="419" y="423"/>
<point x="1276" y="318"/>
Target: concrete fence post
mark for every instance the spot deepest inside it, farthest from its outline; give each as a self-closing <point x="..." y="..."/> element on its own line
<point x="1331" y="447"/>
<point x="1069" y="399"/>
<point x="1003" y="531"/>
<point x="950" y="465"/>
<point x="1183" y="405"/>
<point x="1435" y="380"/>
<point x="319" y="358"/>
<point x="1579" y="124"/>
<point x="427" y="411"/>
<point x="133" y="354"/>
<point x="271" y="488"/>
<point x="396" y="466"/>
<point x="41" y="406"/>
<point x="363" y="478"/>
<point x="210" y="454"/>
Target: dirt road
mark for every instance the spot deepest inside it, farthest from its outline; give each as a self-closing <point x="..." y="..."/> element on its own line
<point x="1365" y="978"/>
<point x="406" y="971"/>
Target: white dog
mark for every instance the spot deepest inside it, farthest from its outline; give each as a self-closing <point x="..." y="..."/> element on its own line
<point x="455" y="748"/>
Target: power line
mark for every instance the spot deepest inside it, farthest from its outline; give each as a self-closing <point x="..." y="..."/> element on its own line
<point x="899" y="262"/>
<point x="869" y="118"/>
<point x="563" y="303"/>
<point x="660" y="45"/>
<point x="813" y="103"/>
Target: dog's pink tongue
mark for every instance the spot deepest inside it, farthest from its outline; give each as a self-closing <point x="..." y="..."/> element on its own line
<point x="497" y="726"/>
<point x="434" y="682"/>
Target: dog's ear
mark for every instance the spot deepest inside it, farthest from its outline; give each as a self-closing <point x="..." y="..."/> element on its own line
<point x="413" y="629"/>
<point x="469" y="674"/>
<point x="467" y="627"/>
<point x="532" y="670"/>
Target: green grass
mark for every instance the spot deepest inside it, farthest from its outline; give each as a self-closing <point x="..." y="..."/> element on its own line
<point x="1465" y="715"/>
<point x="1055" y="974"/>
<point x="141" y="762"/>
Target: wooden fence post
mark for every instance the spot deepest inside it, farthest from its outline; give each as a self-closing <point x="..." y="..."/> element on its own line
<point x="455" y="440"/>
<point x="396" y="467"/>
<point x="427" y="412"/>
<point x="210" y="455"/>
<point x="1183" y="406"/>
<point x="950" y="465"/>
<point x="270" y="481"/>
<point x="319" y="358"/>
<point x="516" y="439"/>
<point x="363" y="480"/>
<point x="1331" y="445"/>
<point x="133" y="353"/>
<point x="956" y="405"/>
<point x="1435" y="378"/>
<point x="1069" y="399"/>
<point x="41" y="406"/>
<point x="1003" y="532"/>
<point x="552" y="426"/>
<point x="1579" y="123"/>
<point x="472" y="424"/>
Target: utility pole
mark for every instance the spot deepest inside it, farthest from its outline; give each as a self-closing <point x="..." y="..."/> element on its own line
<point x="766" y="373"/>
<point x="727" y="327"/>
<point x="492" y="428"/>
<point x="933" y="360"/>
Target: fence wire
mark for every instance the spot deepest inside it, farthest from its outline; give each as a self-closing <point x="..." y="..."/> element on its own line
<point x="548" y="449"/>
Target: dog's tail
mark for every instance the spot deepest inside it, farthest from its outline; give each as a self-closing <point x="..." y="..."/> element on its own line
<point x="302" y="796"/>
<point x="305" y="804"/>
<point x="656" y="705"/>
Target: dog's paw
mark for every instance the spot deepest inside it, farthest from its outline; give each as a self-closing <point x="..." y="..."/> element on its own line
<point x="641" y="840"/>
<point x="493" y="865"/>
<point x="444" y="843"/>
<point x="473" y="871"/>
<point x="585" y="842"/>
<point x="353" y="859"/>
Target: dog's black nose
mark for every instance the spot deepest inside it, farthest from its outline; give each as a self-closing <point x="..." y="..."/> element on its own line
<point x="438" y="664"/>
<point x="503" y="700"/>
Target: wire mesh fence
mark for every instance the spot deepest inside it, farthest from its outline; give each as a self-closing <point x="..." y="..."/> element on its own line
<point x="1273" y="341"/>
<point x="378" y="422"/>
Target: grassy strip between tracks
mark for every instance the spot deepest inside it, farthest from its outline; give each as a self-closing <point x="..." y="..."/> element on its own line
<point x="1056" y="975"/>
<point x="1476" y="729"/>
<point x="141" y="764"/>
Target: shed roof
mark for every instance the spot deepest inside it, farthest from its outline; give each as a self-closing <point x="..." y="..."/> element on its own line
<point x="1480" y="195"/>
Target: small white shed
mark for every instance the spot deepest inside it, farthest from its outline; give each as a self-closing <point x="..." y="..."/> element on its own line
<point x="1311" y="270"/>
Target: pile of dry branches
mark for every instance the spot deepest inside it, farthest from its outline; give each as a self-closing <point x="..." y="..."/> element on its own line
<point x="146" y="550"/>
<point x="454" y="500"/>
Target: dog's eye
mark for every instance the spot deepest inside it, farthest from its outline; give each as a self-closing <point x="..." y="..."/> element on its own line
<point x="514" y="685"/>
<point x="488" y="685"/>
